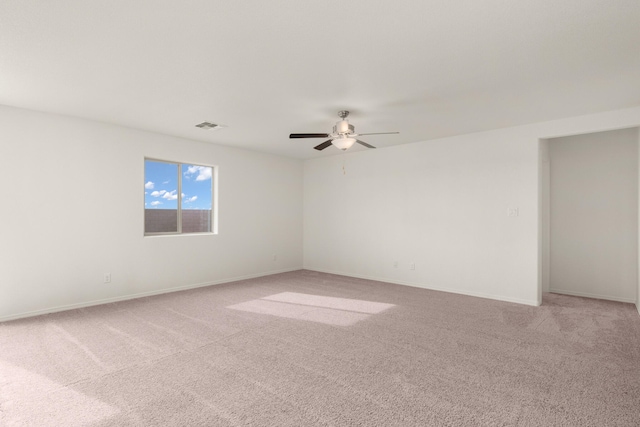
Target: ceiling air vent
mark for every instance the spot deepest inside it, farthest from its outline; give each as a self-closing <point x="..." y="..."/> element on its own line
<point x="207" y="125"/>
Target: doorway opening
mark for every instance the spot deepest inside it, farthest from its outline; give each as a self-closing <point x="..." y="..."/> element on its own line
<point x="589" y="215"/>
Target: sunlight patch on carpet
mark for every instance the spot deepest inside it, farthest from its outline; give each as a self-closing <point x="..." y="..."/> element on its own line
<point x="314" y="308"/>
<point x="32" y="399"/>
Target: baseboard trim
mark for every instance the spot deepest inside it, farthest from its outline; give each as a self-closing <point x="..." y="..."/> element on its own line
<point x="140" y="295"/>
<point x="638" y="307"/>
<point x="590" y="295"/>
<point x="534" y="303"/>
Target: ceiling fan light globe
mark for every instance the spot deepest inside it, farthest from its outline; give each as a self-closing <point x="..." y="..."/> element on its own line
<point x="344" y="143"/>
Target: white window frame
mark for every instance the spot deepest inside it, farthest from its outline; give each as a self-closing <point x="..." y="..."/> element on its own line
<point x="214" y="199"/>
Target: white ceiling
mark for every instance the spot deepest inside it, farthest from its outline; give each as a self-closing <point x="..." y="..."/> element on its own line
<point x="426" y="68"/>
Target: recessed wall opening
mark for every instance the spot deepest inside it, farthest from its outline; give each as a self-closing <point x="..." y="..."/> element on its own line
<point x="589" y="215"/>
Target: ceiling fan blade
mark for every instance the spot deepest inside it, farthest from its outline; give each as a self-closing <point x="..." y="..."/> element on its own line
<point x="323" y="145"/>
<point x="308" y="135"/>
<point x="364" y="143"/>
<point x="378" y="133"/>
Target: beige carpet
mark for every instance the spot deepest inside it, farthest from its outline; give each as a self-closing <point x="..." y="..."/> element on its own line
<point x="312" y="349"/>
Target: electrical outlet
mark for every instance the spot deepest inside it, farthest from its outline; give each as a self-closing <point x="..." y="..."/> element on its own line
<point x="513" y="212"/>
<point x="412" y="266"/>
<point x="107" y="277"/>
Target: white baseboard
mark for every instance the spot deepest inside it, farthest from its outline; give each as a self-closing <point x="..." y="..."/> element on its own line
<point x="139" y="295"/>
<point x="432" y="288"/>
<point x="590" y="295"/>
<point x="638" y="307"/>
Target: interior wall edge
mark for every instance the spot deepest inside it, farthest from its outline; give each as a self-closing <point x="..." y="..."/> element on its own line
<point x="638" y="248"/>
<point x="92" y="303"/>
<point x="534" y="303"/>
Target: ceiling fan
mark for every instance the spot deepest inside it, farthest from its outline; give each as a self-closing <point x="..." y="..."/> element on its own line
<point x="343" y="135"/>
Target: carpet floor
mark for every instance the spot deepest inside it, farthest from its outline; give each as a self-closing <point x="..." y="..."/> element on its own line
<point x="314" y="349"/>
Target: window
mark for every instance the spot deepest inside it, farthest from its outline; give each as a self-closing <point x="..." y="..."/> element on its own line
<point x="178" y="198"/>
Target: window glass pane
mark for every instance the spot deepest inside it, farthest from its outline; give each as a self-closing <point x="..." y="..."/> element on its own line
<point x="196" y="198"/>
<point x="160" y="197"/>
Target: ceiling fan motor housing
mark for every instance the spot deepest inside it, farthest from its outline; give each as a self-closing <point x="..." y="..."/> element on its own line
<point x="343" y="126"/>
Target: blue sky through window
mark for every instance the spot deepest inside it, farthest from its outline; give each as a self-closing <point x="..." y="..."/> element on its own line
<point x="161" y="186"/>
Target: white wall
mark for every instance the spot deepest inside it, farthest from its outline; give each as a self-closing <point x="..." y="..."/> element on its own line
<point x="594" y="215"/>
<point x="440" y="204"/>
<point x="72" y="209"/>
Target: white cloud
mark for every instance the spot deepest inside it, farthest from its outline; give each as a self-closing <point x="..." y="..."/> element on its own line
<point x="158" y="193"/>
<point x="156" y="203"/>
<point x="170" y="195"/>
<point x="149" y="185"/>
<point x="191" y="199"/>
<point x="165" y="182"/>
<point x="203" y="172"/>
